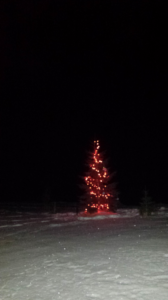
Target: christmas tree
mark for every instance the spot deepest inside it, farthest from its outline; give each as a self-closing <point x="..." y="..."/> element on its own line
<point x="100" y="193"/>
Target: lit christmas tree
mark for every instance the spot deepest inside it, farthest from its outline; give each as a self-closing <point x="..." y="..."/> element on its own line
<point x="100" y="192"/>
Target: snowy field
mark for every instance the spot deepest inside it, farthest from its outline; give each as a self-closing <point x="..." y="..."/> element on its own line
<point x="71" y="257"/>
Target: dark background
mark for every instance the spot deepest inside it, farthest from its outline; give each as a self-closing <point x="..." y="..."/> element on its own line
<point x="75" y="70"/>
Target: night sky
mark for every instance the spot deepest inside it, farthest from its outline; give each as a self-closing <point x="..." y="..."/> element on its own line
<point x="75" y="70"/>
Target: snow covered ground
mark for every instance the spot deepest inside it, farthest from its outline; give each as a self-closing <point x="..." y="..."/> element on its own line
<point x="71" y="257"/>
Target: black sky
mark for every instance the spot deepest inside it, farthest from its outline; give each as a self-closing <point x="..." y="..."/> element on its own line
<point x="71" y="70"/>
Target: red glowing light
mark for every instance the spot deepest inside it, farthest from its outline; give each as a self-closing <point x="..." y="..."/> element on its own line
<point x="97" y="182"/>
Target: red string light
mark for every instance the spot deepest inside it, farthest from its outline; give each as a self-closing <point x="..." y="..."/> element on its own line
<point x="97" y="181"/>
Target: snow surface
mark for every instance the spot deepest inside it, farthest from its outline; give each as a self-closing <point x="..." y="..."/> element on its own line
<point x="65" y="256"/>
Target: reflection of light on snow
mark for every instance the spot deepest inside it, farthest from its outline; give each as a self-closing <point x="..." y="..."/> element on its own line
<point x="98" y="255"/>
